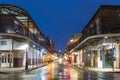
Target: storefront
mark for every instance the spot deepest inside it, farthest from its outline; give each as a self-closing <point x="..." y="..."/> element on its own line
<point x="16" y="52"/>
<point x="21" y="41"/>
<point x="100" y="39"/>
<point x="103" y="53"/>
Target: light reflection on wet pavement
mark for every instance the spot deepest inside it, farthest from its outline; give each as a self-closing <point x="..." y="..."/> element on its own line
<point x="57" y="71"/>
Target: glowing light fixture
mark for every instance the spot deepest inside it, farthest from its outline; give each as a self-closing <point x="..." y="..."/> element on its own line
<point x="71" y="40"/>
<point x="23" y="47"/>
<point x="106" y="37"/>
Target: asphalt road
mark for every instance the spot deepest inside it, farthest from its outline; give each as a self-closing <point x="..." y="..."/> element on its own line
<point x="57" y="71"/>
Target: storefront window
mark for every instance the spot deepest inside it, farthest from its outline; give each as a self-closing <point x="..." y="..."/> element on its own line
<point x="6" y="58"/>
<point x="3" y="58"/>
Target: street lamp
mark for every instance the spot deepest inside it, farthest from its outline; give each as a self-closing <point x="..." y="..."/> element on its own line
<point x="10" y="59"/>
<point x="26" y="64"/>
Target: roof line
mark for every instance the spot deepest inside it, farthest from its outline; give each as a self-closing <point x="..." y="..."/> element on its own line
<point x="25" y="13"/>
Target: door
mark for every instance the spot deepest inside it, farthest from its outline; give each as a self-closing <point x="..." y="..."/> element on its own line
<point x="6" y="59"/>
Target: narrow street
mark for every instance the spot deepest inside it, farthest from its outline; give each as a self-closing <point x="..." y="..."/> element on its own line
<point x="55" y="71"/>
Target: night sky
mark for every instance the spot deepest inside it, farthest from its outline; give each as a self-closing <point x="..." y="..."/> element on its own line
<point x="59" y="19"/>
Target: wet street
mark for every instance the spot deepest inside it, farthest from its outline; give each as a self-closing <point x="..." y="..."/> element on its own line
<point x="57" y="71"/>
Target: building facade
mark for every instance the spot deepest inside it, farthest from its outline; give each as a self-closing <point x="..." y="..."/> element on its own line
<point x="99" y="45"/>
<point x="73" y="58"/>
<point x="22" y="44"/>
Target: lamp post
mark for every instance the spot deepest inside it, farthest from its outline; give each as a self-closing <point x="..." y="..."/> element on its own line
<point x="26" y="63"/>
<point x="10" y="59"/>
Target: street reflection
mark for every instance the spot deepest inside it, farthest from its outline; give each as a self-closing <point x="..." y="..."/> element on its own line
<point x="61" y="72"/>
<point x="55" y="71"/>
<point x="49" y="72"/>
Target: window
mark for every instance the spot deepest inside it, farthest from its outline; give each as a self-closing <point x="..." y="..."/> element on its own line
<point x="3" y="42"/>
<point x="9" y="58"/>
<point x="3" y="59"/>
<point x="6" y="58"/>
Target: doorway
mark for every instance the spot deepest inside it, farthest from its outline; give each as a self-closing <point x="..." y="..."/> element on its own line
<point x="6" y="59"/>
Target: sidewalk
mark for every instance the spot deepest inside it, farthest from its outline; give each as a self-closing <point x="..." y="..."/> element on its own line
<point x="17" y="70"/>
<point x="116" y="70"/>
<point x="12" y="70"/>
<point x="104" y="69"/>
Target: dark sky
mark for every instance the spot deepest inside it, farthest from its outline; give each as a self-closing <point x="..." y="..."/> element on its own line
<point x="59" y="19"/>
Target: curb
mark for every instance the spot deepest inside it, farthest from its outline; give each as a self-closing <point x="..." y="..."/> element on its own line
<point x="1" y="72"/>
<point x="20" y="71"/>
<point x="34" y="68"/>
<point x="86" y="69"/>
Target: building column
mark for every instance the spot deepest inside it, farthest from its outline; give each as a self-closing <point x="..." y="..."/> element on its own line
<point x="91" y="58"/>
<point x="119" y="54"/>
<point x="99" y="59"/>
<point x="11" y="55"/>
<point x="0" y="58"/>
<point x="78" y="59"/>
<point x="72" y="58"/>
<point x="81" y="58"/>
<point x="103" y="56"/>
<point x="33" y="58"/>
<point x="37" y="57"/>
<point x="41" y="59"/>
<point x="116" y="64"/>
